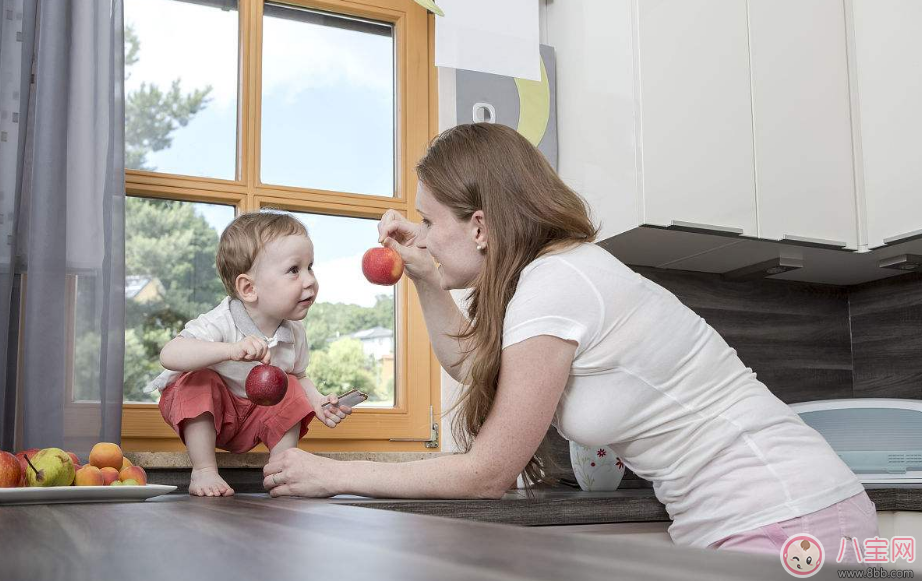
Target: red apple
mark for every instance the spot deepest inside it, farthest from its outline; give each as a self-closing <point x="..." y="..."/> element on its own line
<point x="74" y="458"/>
<point x="10" y="471"/>
<point x="266" y="385"/>
<point x="22" y="461"/>
<point x="382" y="265"/>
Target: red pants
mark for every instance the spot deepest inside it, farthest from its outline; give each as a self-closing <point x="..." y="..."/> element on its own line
<point x="240" y="424"/>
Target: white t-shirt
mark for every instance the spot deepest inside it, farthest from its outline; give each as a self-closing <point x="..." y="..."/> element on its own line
<point x="654" y="381"/>
<point x="229" y="322"/>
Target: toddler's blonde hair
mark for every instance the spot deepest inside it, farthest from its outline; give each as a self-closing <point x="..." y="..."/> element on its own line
<point x="242" y="241"/>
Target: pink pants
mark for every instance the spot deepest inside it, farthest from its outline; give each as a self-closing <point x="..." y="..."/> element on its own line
<point x="854" y="517"/>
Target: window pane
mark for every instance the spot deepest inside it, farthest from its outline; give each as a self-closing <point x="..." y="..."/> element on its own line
<point x="181" y="87"/>
<point x="170" y="278"/>
<point x="327" y="102"/>
<point x="350" y="329"/>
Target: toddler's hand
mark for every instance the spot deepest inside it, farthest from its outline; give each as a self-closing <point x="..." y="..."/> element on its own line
<point x="332" y="414"/>
<point x="251" y="348"/>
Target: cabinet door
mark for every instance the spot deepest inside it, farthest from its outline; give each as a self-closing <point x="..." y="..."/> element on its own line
<point x="888" y="53"/>
<point x="696" y="119"/>
<point x="595" y="107"/>
<point x="802" y="122"/>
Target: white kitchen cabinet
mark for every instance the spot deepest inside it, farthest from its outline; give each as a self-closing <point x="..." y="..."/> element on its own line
<point x="888" y="87"/>
<point x="595" y="108"/>
<point x="653" y="108"/>
<point x="802" y="122"/>
<point x="695" y="119"/>
<point x="788" y="120"/>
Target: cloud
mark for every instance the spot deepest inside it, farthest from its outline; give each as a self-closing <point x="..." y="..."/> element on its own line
<point x="341" y="281"/>
<point x="196" y="44"/>
<point x="199" y="45"/>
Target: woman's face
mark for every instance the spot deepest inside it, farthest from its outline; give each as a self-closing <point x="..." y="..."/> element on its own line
<point x="451" y="242"/>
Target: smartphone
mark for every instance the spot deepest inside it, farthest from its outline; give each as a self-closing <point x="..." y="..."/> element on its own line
<point x="351" y="398"/>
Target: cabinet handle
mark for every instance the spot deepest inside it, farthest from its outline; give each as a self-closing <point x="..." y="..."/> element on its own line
<point x="706" y="228"/>
<point x="821" y="242"/>
<point x="903" y="237"/>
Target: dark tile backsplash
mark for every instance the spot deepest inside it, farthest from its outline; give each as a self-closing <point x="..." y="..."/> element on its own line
<point x="886" y="319"/>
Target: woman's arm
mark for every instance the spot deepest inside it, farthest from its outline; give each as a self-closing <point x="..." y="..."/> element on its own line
<point x="443" y="318"/>
<point x="533" y="375"/>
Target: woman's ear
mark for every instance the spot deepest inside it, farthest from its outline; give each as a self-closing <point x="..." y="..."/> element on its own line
<point x="479" y="229"/>
<point x="245" y="289"/>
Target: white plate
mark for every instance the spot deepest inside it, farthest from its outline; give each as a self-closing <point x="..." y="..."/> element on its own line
<point x="68" y="494"/>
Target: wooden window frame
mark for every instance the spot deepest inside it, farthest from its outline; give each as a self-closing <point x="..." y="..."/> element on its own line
<point x="417" y="388"/>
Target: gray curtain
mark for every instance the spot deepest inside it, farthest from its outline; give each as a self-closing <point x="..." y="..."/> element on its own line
<point x="62" y="208"/>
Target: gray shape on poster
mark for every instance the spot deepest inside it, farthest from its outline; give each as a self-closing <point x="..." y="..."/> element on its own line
<point x="500" y="92"/>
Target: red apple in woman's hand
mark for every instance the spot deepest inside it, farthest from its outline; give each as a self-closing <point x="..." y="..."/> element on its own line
<point x="382" y="265"/>
<point x="266" y="385"/>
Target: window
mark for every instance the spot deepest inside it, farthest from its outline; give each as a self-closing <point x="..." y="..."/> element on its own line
<point x="315" y="107"/>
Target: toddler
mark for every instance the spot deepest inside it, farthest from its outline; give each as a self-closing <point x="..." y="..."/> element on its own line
<point x="266" y="263"/>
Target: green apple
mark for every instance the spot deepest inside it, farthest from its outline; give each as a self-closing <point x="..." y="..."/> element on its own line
<point x="50" y="467"/>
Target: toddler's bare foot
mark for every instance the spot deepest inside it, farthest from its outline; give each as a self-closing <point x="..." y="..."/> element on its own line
<point x="207" y="482"/>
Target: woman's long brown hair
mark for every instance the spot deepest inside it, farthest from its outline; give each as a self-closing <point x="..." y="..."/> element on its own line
<point x="528" y="212"/>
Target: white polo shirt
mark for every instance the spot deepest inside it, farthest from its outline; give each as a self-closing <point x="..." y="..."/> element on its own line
<point x="653" y="380"/>
<point x="229" y="322"/>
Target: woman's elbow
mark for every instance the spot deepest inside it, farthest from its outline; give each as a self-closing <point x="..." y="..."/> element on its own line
<point x="494" y="493"/>
<point x="493" y="488"/>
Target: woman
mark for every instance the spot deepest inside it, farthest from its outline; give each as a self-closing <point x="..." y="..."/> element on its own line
<point x="560" y="332"/>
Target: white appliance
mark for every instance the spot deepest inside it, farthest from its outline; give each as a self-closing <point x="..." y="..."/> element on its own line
<point x="880" y="439"/>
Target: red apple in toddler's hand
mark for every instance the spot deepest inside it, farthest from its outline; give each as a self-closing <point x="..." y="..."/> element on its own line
<point x="266" y="385"/>
<point x="10" y="471"/>
<point x="382" y="265"/>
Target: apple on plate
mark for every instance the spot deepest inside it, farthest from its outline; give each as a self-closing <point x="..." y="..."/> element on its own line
<point x="382" y="265"/>
<point x="10" y="471"/>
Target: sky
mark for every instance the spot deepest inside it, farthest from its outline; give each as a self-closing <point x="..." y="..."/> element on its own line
<point x="327" y="118"/>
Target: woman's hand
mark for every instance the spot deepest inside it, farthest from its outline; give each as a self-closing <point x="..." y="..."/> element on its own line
<point x="399" y="234"/>
<point x="295" y="472"/>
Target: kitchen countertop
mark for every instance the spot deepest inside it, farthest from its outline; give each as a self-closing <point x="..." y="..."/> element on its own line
<point x="251" y="536"/>
<point x="571" y="507"/>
